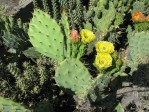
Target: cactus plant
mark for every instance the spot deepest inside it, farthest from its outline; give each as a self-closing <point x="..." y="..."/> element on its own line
<point x="31" y="53"/>
<point x="13" y="34"/>
<point x="103" y="24"/>
<point x="74" y="10"/>
<point x="138" y="51"/>
<point x="141" y="6"/>
<point x="138" y="6"/>
<point x="11" y="106"/>
<point x="64" y="21"/>
<point x="52" y="46"/>
<point x="46" y="36"/>
<point x="70" y="74"/>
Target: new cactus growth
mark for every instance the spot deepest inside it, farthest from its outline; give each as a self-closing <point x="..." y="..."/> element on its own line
<point x="46" y="36"/>
<point x="64" y="21"/>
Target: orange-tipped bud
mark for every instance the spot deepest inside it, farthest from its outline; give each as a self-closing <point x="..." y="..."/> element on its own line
<point x="74" y="36"/>
<point x="138" y="17"/>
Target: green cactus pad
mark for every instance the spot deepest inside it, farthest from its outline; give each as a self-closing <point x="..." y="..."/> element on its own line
<point x="138" y="50"/>
<point x="64" y="21"/>
<point x="138" y="45"/>
<point x="72" y="74"/>
<point x="46" y="36"/>
<point x="10" y="106"/>
<point x="103" y="23"/>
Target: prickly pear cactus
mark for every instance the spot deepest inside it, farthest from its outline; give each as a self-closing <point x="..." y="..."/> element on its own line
<point x="46" y="36"/>
<point x="10" y="106"/>
<point x="72" y="74"/>
<point x="138" y="50"/>
<point x="101" y="16"/>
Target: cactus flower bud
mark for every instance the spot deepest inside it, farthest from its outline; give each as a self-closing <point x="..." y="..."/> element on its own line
<point x="138" y="17"/>
<point x="74" y="36"/>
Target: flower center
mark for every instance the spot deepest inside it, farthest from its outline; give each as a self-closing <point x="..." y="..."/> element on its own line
<point x="101" y="62"/>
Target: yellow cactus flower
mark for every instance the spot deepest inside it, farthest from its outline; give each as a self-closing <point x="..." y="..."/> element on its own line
<point x="104" y="47"/>
<point x="103" y="61"/>
<point x="87" y="36"/>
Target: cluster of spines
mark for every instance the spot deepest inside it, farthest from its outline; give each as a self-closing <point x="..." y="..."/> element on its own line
<point x="45" y="6"/>
<point x="74" y="10"/>
<point x="32" y="76"/>
<point x="55" y="9"/>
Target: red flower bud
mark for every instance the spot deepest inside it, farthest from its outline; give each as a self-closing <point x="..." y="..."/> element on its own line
<point x="74" y="36"/>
